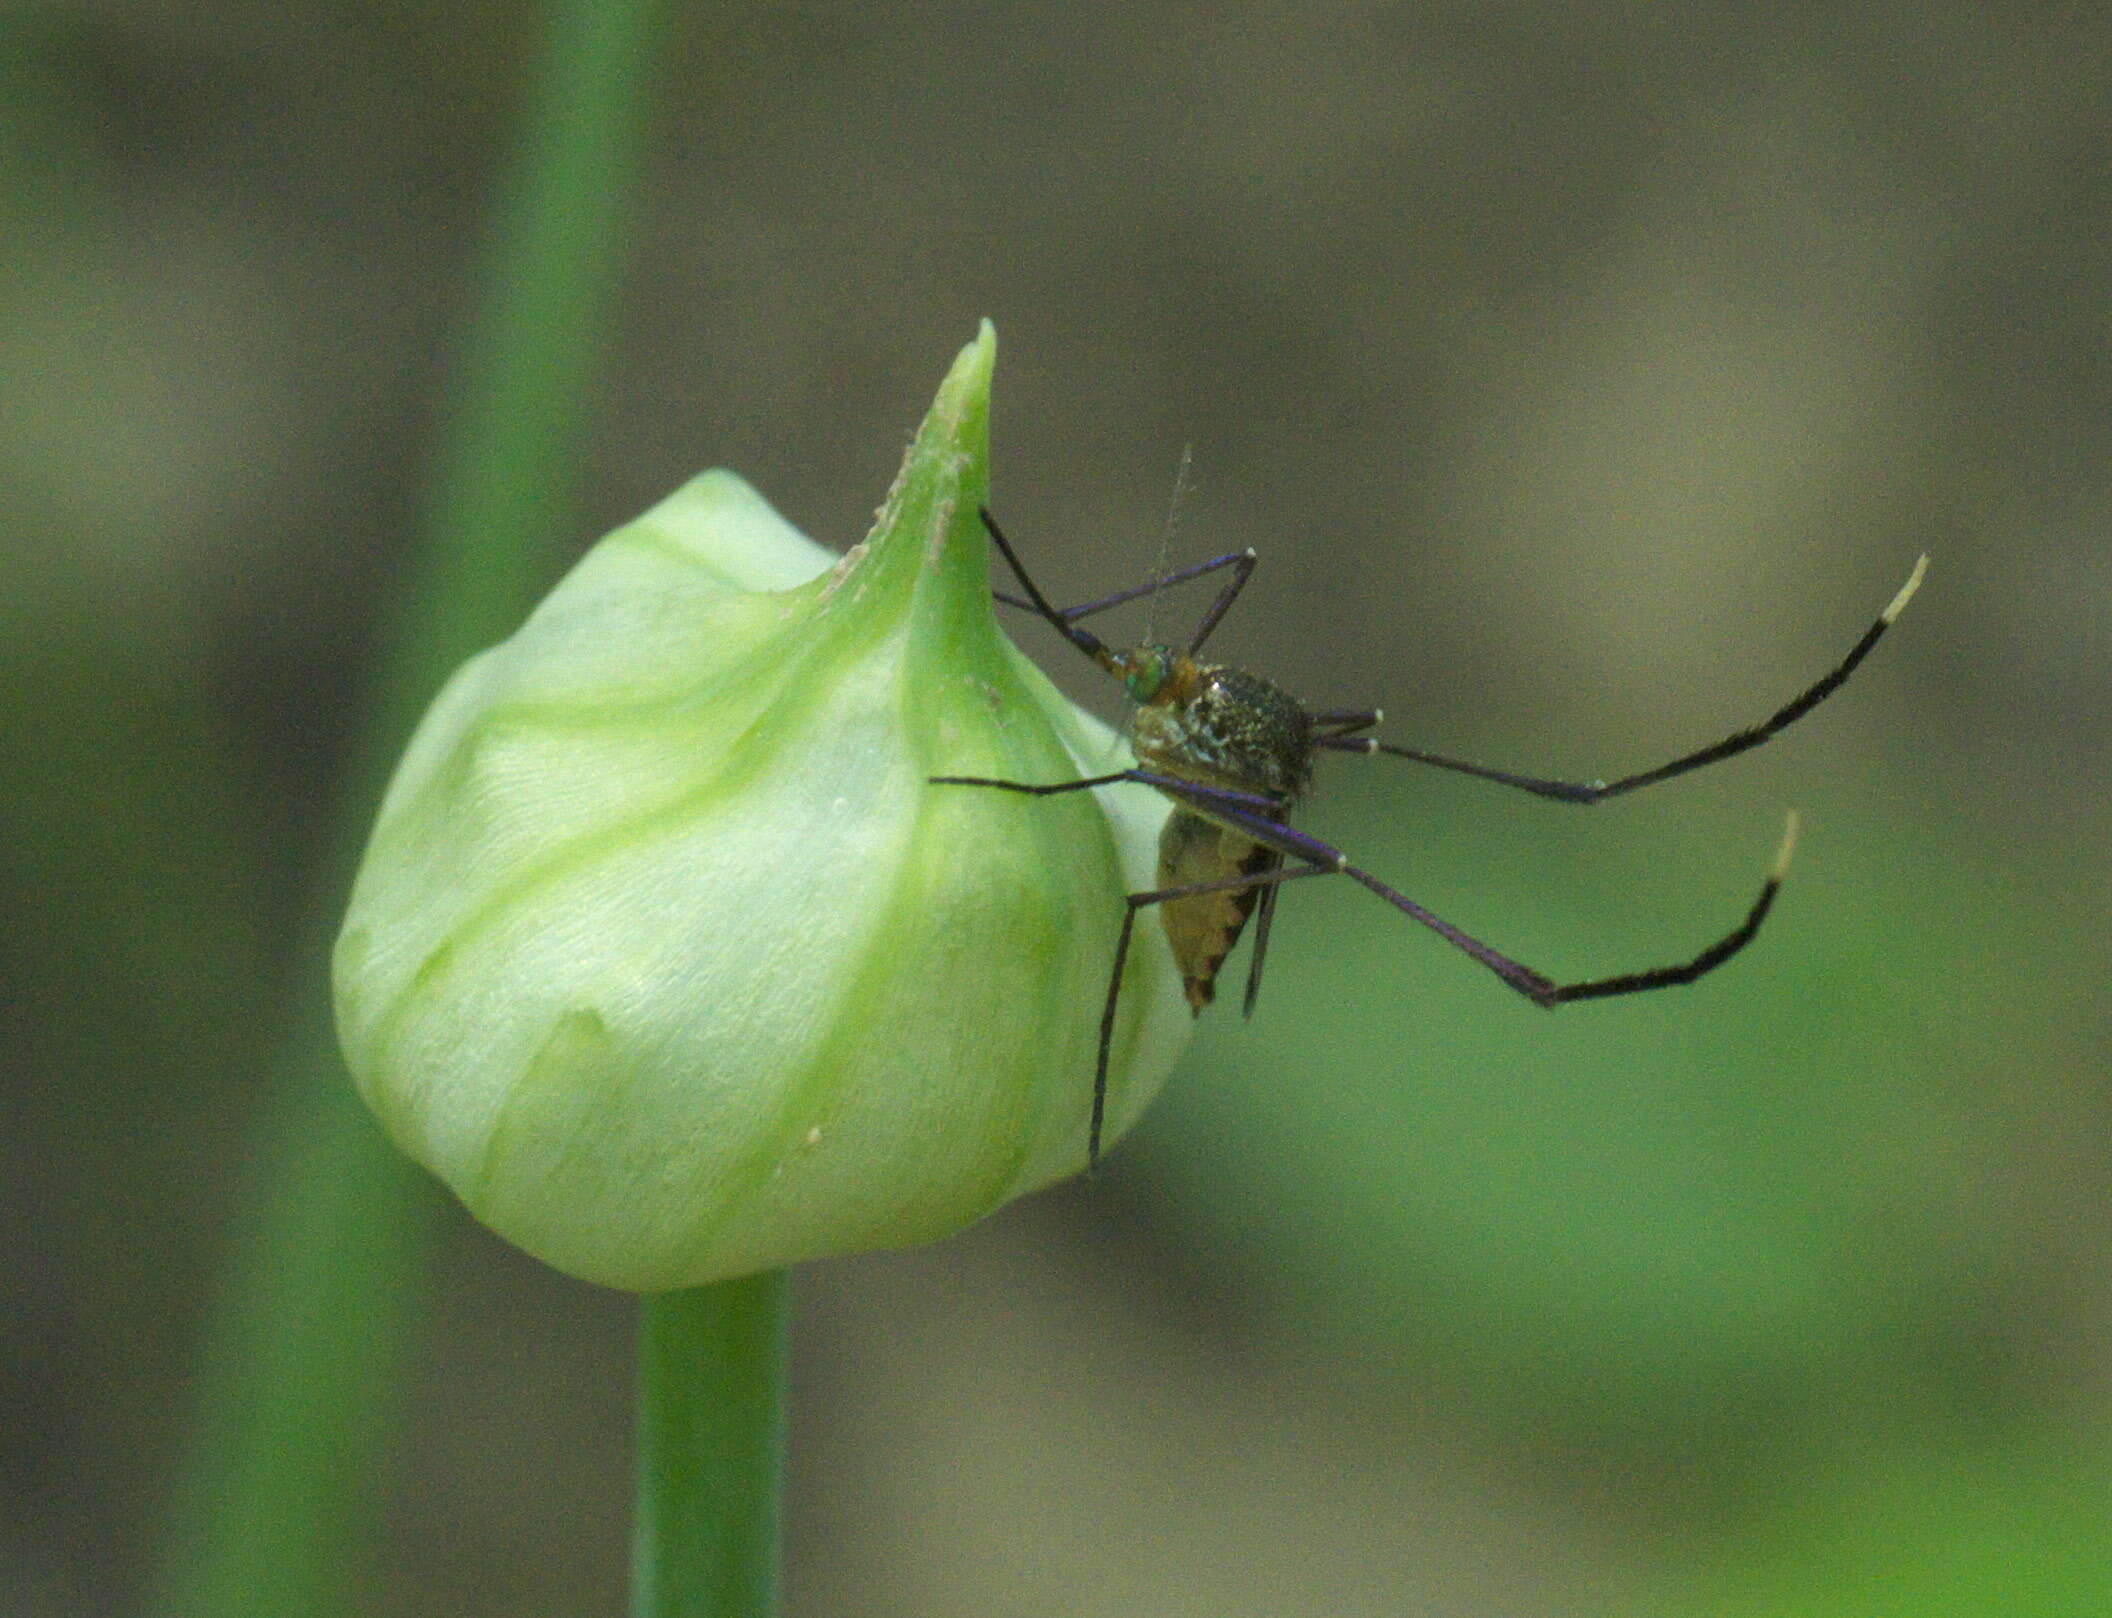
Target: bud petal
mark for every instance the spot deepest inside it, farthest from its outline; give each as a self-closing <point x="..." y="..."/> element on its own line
<point x="667" y="956"/>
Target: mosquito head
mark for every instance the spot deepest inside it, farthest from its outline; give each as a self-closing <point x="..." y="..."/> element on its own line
<point x="1153" y="674"/>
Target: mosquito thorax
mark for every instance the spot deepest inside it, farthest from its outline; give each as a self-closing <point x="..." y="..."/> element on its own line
<point x="1222" y="726"/>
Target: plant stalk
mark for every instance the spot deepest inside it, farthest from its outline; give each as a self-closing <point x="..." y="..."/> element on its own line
<point x="711" y="1441"/>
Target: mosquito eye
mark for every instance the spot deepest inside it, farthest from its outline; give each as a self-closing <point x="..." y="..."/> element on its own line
<point x="1146" y="678"/>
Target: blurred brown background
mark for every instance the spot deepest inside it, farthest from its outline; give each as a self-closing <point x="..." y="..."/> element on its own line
<point x="1586" y="375"/>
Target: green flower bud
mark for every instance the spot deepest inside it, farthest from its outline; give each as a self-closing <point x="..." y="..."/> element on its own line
<point x="666" y="954"/>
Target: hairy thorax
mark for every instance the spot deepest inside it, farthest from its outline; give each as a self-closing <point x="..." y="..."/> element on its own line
<point x="1225" y="727"/>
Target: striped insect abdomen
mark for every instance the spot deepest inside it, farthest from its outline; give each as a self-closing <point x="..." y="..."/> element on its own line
<point x="1203" y="927"/>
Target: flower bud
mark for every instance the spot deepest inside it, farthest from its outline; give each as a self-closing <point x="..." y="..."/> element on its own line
<point x="667" y="955"/>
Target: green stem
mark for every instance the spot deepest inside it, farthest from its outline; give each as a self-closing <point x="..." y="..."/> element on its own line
<point x="303" y="1348"/>
<point x="711" y="1441"/>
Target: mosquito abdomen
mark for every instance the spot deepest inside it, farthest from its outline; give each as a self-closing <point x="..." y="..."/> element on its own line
<point x="1203" y="927"/>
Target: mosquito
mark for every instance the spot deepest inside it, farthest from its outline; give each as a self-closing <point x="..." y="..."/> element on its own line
<point x="1235" y="753"/>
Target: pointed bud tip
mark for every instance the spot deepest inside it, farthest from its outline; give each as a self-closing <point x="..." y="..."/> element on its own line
<point x="930" y="522"/>
<point x="967" y="384"/>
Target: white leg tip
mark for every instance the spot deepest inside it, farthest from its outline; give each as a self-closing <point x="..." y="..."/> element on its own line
<point x="1906" y="591"/>
<point x="1780" y="869"/>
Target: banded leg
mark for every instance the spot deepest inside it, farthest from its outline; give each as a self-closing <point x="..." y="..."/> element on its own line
<point x="1256" y="816"/>
<point x="1594" y="791"/>
<point x="1535" y="986"/>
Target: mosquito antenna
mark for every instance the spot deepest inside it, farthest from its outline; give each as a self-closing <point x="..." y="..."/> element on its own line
<point x="1183" y="486"/>
<point x="1241" y="563"/>
<point x="1183" y="482"/>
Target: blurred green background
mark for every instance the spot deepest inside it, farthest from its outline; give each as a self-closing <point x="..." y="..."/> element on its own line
<point x="1586" y="376"/>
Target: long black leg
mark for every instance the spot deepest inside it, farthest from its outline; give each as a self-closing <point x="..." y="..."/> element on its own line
<point x="1241" y="563"/>
<point x="1084" y="639"/>
<point x="1708" y="960"/>
<point x="1136" y="902"/>
<point x="1257" y="802"/>
<point x="1730" y="746"/>
<point x="1073" y="614"/>
<point x="1028" y="787"/>
<point x="1242" y="570"/>
<point x="1535" y="986"/>
<point x="1255" y="815"/>
<point x="1334" y="723"/>
<point x="1261" y="950"/>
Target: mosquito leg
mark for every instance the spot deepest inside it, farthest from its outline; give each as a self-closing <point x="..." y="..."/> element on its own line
<point x="1267" y="913"/>
<point x="1135" y="903"/>
<point x="1073" y="614"/>
<point x="1029" y="787"/>
<point x="1107" y="1030"/>
<point x="1708" y="960"/>
<point x="1340" y="722"/>
<point x="1593" y="791"/>
<point x="1266" y="880"/>
<point x="1535" y="986"/>
<point x="1084" y="639"/>
<point x="1065" y="621"/>
<point x="1242" y="570"/>
<point x="1254" y="801"/>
